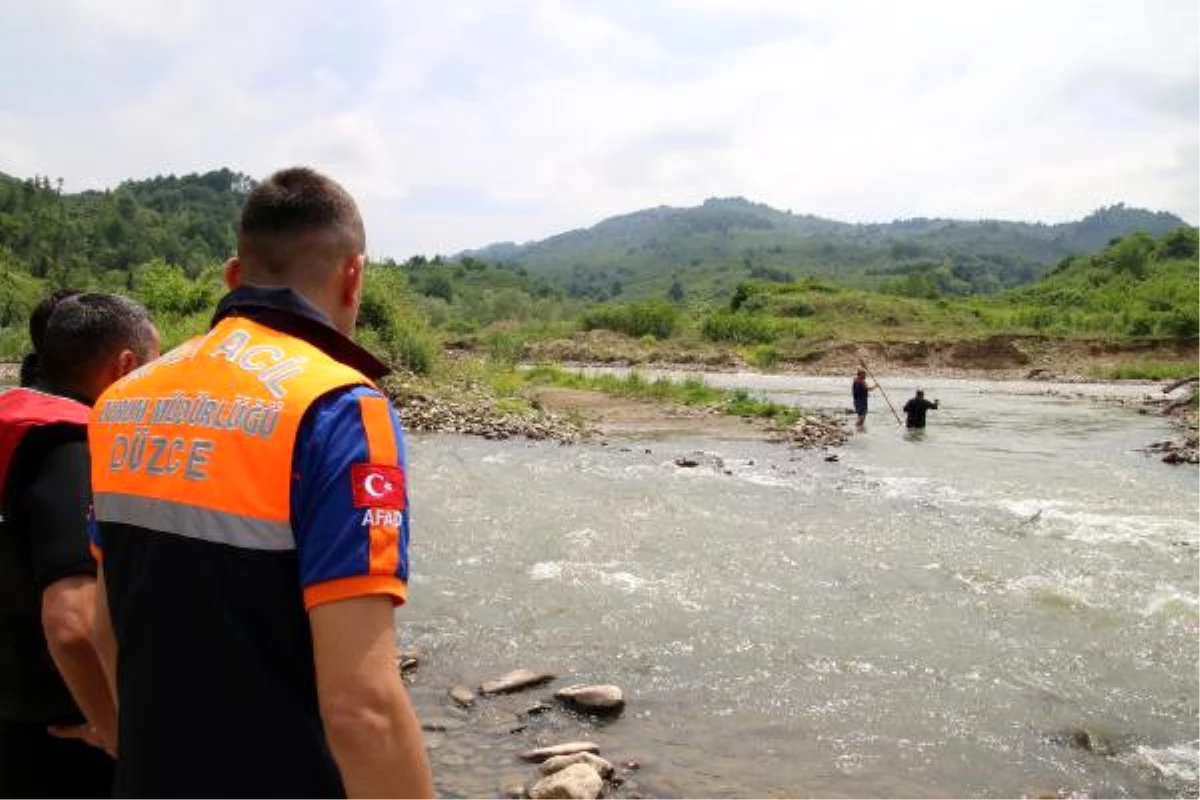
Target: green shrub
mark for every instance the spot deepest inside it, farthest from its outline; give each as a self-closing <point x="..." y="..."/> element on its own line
<point x="505" y="347"/>
<point x="166" y="291"/>
<point x="388" y="324"/>
<point x="653" y="317"/>
<point x="763" y="356"/>
<point x="736" y="327"/>
<point x="411" y="345"/>
<point x="1180" y="324"/>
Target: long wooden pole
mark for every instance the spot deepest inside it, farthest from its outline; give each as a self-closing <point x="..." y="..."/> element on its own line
<point x="862" y="362"/>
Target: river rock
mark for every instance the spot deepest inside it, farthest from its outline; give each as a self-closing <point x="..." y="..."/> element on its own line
<point x="1087" y="739"/>
<point x="515" y="681"/>
<point x="552" y="765"/>
<point x="602" y="699"/>
<point x="472" y="411"/>
<point x="576" y="782"/>
<point x="512" y="786"/>
<point x="442" y="724"/>
<point x="462" y="695"/>
<point x="566" y="749"/>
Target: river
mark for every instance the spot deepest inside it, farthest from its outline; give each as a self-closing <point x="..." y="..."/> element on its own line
<point x="1007" y="606"/>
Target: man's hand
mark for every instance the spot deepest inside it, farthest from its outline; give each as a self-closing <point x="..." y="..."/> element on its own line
<point x="87" y="733"/>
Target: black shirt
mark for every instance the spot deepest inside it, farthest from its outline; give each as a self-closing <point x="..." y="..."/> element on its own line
<point x="914" y="411"/>
<point x="43" y="539"/>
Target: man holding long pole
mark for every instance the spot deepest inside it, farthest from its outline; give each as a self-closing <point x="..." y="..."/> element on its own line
<point x="860" y="380"/>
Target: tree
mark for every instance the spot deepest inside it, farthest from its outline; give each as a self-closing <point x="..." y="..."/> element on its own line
<point x="675" y="294"/>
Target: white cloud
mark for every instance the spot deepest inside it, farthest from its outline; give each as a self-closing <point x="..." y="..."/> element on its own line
<point x="457" y="124"/>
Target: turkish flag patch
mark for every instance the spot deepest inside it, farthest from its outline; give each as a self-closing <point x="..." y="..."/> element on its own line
<point x="377" y="486"/>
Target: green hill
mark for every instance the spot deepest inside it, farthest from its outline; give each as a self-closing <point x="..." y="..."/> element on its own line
<point x="1137" y="287"/>
<point x="188" y="221"/>
<point x="706" y="250"/>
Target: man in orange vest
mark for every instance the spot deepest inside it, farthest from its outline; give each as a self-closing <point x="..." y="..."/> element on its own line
<point x="252" y="525"/>
<point x="51" y="681"/>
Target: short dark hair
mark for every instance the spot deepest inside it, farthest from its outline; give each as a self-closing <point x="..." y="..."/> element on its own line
<point x="31" y="364"/>
<point x="41" y="314"/>
<point x="297" y="225"/>
<point x="87" y="328"/>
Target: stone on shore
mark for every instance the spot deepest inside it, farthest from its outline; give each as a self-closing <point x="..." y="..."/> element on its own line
<point x="602" y="699"/>
<point x="576" y="782"/>
<point x="515" y="681"/>
<point x="566" y="749"/>
<point x="462" y="695"/>
<point x="553" y="765"/>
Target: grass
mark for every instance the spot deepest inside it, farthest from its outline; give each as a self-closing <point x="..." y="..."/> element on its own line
<point x="1149" y="371"/>
<point x="689" y="392"/>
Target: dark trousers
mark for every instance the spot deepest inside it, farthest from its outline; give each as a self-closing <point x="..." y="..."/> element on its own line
<point x="35" y="764"/>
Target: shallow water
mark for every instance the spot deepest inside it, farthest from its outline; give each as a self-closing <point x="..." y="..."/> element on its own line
<point x="924" y="618"/>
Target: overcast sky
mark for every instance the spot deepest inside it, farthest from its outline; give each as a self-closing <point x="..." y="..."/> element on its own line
<point x="459" y="123"/>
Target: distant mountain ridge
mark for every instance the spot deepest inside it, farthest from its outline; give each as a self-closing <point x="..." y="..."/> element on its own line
<point x="723" y="240"/>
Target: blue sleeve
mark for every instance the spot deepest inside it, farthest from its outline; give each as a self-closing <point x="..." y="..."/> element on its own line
<point x="350" y="499"/>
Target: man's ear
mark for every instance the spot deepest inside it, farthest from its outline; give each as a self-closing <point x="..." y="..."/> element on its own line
<point x="354" y="270"/>
<point x="233" y="273"/>
<point x="127" y="362"/>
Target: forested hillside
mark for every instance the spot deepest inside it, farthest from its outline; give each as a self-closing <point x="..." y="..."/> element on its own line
<point x="188" y="221"/>
<point x="769" y="284"/>
<point x="706" y="250"/>
<point x="162" y="240"/>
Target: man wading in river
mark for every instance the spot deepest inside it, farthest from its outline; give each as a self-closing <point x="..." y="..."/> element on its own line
<point x="252" y="528"/>
<point x="858" y="392"/>
<point x="914" y="410"/>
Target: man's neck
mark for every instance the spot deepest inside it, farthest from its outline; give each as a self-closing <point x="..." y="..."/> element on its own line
<point x="70" y="392"/>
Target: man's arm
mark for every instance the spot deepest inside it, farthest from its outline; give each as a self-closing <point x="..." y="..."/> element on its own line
<point x="369" y="722"/>
<point x="68" y="607"/>
<point x="350" y="512"/>
<point x="58" y="501"/>
<point x="103" y="636"/>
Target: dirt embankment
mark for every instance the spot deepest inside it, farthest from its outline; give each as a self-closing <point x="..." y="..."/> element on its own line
<point x="1001" y="357"/>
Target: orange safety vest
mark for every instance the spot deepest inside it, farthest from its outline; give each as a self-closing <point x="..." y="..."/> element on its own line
<point x="199" y="443"/>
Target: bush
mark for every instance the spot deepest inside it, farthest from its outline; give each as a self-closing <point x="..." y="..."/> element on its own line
<point x="796" y="307"/>
<point x="726" y="326"/>
<point x="763" y="356"/>
<point x="505" y="347"/>
<point x="412" y="346"/>
<point x="1179" y="243"/>
<point x="653" y="317"/>
<point x="387" y="323"/>
<point x="1180" y="324"/>
<point x="167" y="292"/>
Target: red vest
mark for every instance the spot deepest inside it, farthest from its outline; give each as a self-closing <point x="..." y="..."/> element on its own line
<point x="22" y="410"/>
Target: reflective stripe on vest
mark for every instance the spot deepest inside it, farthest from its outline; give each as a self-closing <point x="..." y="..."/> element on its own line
<point x="199" y="443"/>
<point x="23" y="410"/>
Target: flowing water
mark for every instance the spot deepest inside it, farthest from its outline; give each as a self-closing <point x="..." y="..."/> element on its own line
<point x="1007" y="606"/>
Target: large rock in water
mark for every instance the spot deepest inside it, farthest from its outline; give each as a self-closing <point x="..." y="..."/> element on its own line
<point x="553" y="765"/>
<point x="514" y="681"/>
<point x="576" y="782"/>
<point x="601" y="699"/>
